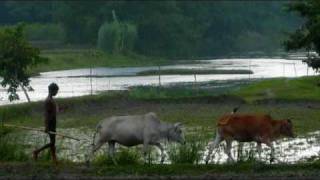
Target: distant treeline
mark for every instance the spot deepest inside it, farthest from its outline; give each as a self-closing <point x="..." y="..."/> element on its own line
<point x="174" y="29"/>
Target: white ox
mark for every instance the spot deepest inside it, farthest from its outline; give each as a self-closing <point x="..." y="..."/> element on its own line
<point x="134" y="130"/>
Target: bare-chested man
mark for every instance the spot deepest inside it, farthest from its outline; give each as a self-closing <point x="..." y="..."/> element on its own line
<point x="51" y="109"/>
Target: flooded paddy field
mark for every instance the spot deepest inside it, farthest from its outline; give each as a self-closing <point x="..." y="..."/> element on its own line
<point x="199" y="116"/>
<point x="304" y="148"/>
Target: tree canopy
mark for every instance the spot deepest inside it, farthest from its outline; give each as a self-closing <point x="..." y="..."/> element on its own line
<point x="16" y="56"/>
<point x="174" y="29"/>
<point x="307" y="35"/>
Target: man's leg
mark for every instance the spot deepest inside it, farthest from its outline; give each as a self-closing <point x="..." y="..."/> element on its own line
<point x="37" y="151"/>
<point x="53" y="148"/>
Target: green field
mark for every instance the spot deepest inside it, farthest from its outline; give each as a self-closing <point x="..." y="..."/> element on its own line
<point x="194" y="107"/>
<point x="86" y="58"/>
<point x="198" y="109"/>
<point x="289" y="89"/>
<point x="194" y="71"/>
<point x="247" y="169"/>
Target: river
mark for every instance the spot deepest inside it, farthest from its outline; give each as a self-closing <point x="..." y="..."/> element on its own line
<point x="80" y="82"/>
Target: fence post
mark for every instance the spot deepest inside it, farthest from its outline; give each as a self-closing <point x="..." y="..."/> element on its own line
<point x="249" y="69"/>
<point x="295" y="70"/>
<point x="3" y="117"/>
<point x="91" y="80"/>
<point x="159" y="72"/>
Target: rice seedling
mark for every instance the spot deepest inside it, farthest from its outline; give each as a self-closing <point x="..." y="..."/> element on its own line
<point x="125" y="156"/>
<point x="188" y="153"/>
<point x="9" y="149"/>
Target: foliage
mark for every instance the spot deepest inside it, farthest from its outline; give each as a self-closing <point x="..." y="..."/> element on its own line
<point x="9" y="150"/>
<point x="189" y="153"/>
<point x="16" y="56"/>
<point x="123" y="157"/>
<point x="308" y="35"/>
<point x="44" y="32"/>
<point x="173" y="29"/>
<point x="117" y="37"/>
<point x="305" y="88"/>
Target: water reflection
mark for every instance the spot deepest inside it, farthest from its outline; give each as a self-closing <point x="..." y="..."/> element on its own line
<point x="78" y="82"/>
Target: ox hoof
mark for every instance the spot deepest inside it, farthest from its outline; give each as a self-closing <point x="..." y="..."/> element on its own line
<point x="272" y="159"/>
<point x="87" y="163"/>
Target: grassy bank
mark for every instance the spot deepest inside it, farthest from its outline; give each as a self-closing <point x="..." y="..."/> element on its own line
<point x="226" y="170"/>
<point x="193" y="71"/>
<point x="305" y="88"/>
<point x="86" y="58"/>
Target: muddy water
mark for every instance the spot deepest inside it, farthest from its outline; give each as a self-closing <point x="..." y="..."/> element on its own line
<point x="79" y="82"/>
<point x="293" y="150"/>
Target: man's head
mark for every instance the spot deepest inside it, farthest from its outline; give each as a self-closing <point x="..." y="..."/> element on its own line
<point x="53" y="89"/>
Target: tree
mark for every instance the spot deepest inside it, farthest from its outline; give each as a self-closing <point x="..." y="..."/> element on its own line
<point x="17" y="56"/>
<point x="308" y="35"/>
<point x="117" y="37"/>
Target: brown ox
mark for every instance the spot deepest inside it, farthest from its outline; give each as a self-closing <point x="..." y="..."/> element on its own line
<point x="248" y="128"/>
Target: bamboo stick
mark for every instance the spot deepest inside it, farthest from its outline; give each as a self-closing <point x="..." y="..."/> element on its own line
<point x="41" y="130"/>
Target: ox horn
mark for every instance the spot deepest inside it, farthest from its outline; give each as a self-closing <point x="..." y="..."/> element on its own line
<point x="177" y="124"/>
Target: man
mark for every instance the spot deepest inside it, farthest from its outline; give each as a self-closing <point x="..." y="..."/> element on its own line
<point x="50" y="122"/>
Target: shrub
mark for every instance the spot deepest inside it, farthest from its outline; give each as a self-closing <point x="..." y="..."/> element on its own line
<point x="9" y="149"/>
<point x="124" y="157"/>
<point x="45" y="32"/>
<point x="189" y="153"/>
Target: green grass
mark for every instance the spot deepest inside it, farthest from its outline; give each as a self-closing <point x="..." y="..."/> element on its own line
<point x="236" y="169"/>
<point x="198" y="110"/>
<point x="194" y="71"/>
<point x="305" y="88"/>
<point x="86" y="58"/>
<point x="188" y="153"/>
<point x="9" y="150"/>
<point x="125" y="156"/>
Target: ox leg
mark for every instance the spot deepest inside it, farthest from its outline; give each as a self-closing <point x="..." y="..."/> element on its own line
<point x="111" y="150"/>
<point x="272" y="151"/>
<point x="259" y="149"/>
<point x="162" y="151"/>
<point x="145" y="150"/>
<point x="94" y="149"/>
<point x="213" y="145"/>
<point x="269" y="144"/>
<point x="228" y="150"/>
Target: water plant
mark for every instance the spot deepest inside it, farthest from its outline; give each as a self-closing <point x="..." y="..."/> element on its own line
<point x="9" y="149"/>
<point x="188" y="153"/>
<point x="124" y="156"/>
